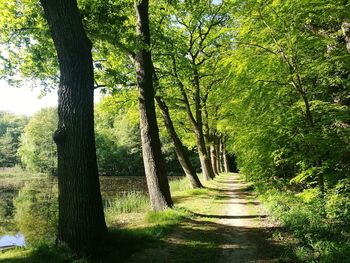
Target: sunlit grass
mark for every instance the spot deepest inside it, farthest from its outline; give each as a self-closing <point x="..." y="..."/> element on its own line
<point x="168" y="216"/>
<point x="134" y="227"/>
<point x="118" y="209"/>
<point x="179" y="185"/>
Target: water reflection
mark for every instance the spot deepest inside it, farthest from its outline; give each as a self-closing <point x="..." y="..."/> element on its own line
<point x="36" y="211"/>
<point x="16" y="240"/>
<point x="32" y="208"/>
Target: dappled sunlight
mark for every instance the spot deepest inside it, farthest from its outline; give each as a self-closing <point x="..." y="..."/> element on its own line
<point x="215" y="234"/>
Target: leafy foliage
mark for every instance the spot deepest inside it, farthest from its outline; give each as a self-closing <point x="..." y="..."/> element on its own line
<point x="289" y="84"/>
<point x="319" y="237"/>
<point x="38" y="150"/>
<point x="11" y="128"/>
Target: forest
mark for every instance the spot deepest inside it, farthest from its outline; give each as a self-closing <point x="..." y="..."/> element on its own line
<point x="222" y="133"/>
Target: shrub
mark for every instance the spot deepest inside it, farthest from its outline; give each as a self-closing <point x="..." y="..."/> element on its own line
<point x="310" y="218"/>
<point x="338" y="202"/>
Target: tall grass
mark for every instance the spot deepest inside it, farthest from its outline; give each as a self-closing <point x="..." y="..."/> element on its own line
<point x="129" y="202"/>
<point x="178" y="185"/>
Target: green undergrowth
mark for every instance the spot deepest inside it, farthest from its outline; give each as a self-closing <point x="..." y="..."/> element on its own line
<point x="317" y="224"/>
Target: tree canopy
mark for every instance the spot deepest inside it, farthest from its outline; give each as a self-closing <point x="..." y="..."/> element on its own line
<point x="262" y="82"/>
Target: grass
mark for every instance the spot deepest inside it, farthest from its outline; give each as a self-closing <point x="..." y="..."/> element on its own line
<point x="133" y="227"/>
<point x="179" y="185"/>
<point x="132" y="203"/>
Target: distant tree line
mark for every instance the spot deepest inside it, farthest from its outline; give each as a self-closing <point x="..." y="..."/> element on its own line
<point x="11" y="129"/>
<point x="27" y="142"/>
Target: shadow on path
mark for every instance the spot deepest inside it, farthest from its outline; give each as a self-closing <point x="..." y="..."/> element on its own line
<point x="239" y="234"/>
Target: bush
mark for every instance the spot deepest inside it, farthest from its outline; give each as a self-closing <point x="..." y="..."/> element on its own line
<point x="310" y="219"/>
<point x="338" y="202"/>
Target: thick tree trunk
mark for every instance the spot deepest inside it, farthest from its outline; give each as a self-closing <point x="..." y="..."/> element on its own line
<point x="210" y="157"/>
<point x="203" y="152"/>
<point x="157" y="180"/>
<point x="81" y="222"/>
<point x="179" y="148"/>
<point x="210" y="151"/>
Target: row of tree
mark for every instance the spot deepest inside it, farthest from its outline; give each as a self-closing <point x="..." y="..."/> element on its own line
<point x="117" y="51"/>
<point x="265" y="79"/>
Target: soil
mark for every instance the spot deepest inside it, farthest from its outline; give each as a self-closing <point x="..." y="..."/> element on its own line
<point x="241" y="232"/>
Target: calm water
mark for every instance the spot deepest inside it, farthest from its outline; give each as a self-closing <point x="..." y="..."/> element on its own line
<point x="40" y="194"/>
<point x="13" y="240"/>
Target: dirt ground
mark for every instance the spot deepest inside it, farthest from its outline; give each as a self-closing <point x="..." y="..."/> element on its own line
<point x="240" y="232"/>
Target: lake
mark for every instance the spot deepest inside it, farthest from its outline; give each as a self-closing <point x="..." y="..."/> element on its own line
<point x="36" y="201"/>
<point x="12" y="240"/>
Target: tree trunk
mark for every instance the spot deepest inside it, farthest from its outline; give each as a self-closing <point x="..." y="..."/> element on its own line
<point x="81" y="223"/>
<point x="217" y="153"/>
<point x="179" y="148"/>
<point x="222" y="162"/>
<point x="203" y="156"/>
<point x="199" y="108"/>
<point x="157" y="180"/>
<point x="311" y="125"/>
<point x="226" y="162"/>
<point x="213" y="159"/>
<point x="197" y="125"/>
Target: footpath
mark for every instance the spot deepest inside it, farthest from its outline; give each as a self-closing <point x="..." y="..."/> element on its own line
<point x="227" y="224"/>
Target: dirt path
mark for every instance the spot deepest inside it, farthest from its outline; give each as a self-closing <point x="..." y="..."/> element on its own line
<point x="247" y="236"/>
<point x="237" y="232"/>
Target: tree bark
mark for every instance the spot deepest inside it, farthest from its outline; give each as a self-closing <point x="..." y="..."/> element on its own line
<point x="226" y="162"/>
<point x="213" y="158"/>
<point x="217" y="153"/>
<point x="203" y="154"/>
<point x="81" y="223"/>
<point x="180" y="150"/>
<point x="222" y="161"/>
<point x="157" y="180"/>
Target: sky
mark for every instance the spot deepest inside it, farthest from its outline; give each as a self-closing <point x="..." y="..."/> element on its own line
<point x="25" y="100"/>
